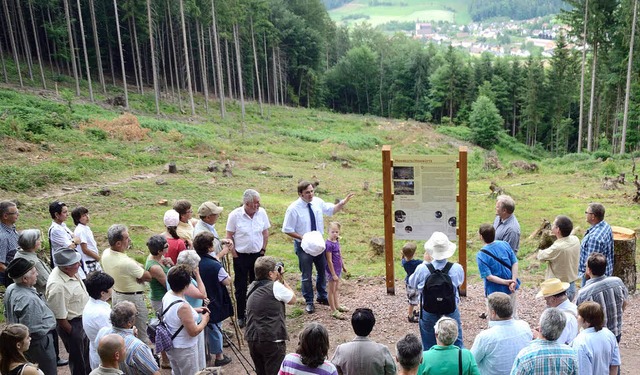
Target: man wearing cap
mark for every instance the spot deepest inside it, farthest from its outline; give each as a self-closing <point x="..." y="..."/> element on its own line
<point x="597" y="239"/>
<point x="554" y="292"/>
<point x="128" y="274"/>
<point x="439" y="248"/>
<point x="209" y="213"/>
<point x="23" y="304"/>
<point x="66" y="296"/>
<point x="8" y="237"/>
<point x="505" y="223"/>
<point x="306" y="214"/>
<point x="248" y="228"/>
<point x="610" y="292"/>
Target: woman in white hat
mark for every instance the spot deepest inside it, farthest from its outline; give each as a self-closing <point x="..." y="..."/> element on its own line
<point x="436" y="304"/>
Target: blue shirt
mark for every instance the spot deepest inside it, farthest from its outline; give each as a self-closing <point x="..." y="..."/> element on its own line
<point x="410" y="267"/>
<point x="496" y="348"/>
<point x="417" y="280"/>
<point x="508" y="230"/>
<point x="544" y="357"/>
<point x="597" y="239"/>
<point x="596" y="351"/>
<point x="489" y="266"/>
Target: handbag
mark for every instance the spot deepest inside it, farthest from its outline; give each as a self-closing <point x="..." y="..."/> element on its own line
<point x="157" y="328"/>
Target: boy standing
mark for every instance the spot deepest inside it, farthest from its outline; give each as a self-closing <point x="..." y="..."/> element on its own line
<point x="409" y="264"/>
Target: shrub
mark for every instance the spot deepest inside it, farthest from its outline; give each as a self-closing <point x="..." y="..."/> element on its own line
<point x="486" y="122"/>
<point x="124" y="128"/>
<point x="601" y="154"/>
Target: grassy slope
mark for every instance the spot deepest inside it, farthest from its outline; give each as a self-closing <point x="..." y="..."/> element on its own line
<point x="270" y="155"/>
<point x="433" y="10"/>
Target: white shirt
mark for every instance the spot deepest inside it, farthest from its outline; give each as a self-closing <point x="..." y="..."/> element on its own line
<point x="298" y="220"/>
<point x="173" y="322"/>
<point x="86" y="237"/>
<point x="248" y="238"/>
<point x="496" y="348"/>
<point x="95" y="316"/>
<point x="570" y="330"/>
<point x="60" y="236"/>
<point x="282" y="293"/>
<point x="596" y="351"/>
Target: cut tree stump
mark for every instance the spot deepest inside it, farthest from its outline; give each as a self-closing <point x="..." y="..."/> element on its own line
<point x="624" y="250"/>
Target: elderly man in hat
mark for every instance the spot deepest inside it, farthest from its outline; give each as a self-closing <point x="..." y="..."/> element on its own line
<point x="248" y="228"/>
<point x="554" y="293"/>
<point x="439" y="248"/>
<point x="23" y="304"/>
<point x="67" y="297"/>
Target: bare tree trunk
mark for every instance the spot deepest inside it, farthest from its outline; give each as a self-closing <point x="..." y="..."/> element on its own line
<point x="186" y="56"/>
<point x="218" y="62"/>
<point x="582" y="74"/>
<point x="175" y="57"/>
<point x="275" y="76"/>
<point x="25" y="40"/>
<point x="71" y="45"/>
<point x="12" y="40"/>
<point x="594" y="65"/>
<point x="236" y="40"/>
<point x="84" y="49"/>
<point x="124" y="73"/>
<point x="4" y="66"/>
<point x="625" y="118"/>
<point x="266" y="70"/>
<point x="110" y="53"/>
<point x="96" y="45"/>
<point x="255" y="62"/>
<point x="37" y="43"/>
<point x="134" y="26"/>
<point x="192" y="58"/>
<point x="133" y="42"/>
<point x="214" y="78"/>
<point x="226" y="50"/>
<point x="46" y="38"/>
<point x="203" y="63"/>
<point x="156" y="90"/>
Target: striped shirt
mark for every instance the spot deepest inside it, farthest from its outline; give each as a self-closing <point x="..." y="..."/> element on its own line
<point x="138" y="357"/>
<point x="544" y="357"/>
<point x="610" y="293"/>
<point x="597" y="239"/>
<point x="292" y="365"/>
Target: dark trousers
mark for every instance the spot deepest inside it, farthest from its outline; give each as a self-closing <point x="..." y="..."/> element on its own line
<point x="267" y="356"/>
<point x="42" y="352"/>
<point x="77" y="345"/>
<point x="244" y="275"/>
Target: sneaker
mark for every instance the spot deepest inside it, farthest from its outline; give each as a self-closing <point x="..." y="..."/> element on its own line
<point x="241" y="322"/>
<point x="62" y="362"/>
<point x="343" y="309"/>
<point x="338" y="315"/>
<point x="221" y="362"/>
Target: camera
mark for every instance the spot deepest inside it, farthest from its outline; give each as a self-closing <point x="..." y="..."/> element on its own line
<point x="280" y="267"/>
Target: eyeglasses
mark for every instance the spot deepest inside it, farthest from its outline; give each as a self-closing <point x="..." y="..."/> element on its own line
<point x="588" y="213"/>
<point x="12" y="213"/>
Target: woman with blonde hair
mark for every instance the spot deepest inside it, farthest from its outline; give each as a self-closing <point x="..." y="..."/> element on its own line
<point x="14" y="341"/>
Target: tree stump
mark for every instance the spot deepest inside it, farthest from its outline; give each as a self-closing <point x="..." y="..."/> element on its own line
<point x="172" y="167"/>
<point x="377" y="245"/>
<point x="624" y="249"/>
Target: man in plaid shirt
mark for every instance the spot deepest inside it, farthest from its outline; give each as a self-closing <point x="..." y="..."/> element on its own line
<point x="545" y="355"/>
<point x="597" y="239"/>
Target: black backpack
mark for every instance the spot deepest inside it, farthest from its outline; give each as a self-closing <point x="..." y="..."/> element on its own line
<point x="438" y="294"/>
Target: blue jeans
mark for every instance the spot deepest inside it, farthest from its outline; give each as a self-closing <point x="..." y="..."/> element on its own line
<point x="305" y="263"/>
<point x="214" y="335"/>
<point x="427" y="331"/>
<point x="571" y="292"/>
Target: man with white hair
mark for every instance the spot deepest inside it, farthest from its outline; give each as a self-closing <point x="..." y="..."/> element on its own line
<point x="505" y="223"/>
<point x="128" y="274"/>
<point x="439" y="248"/>
<point x="554" y="293"/>
<point x="545" y="355"/>
<point x="444" y="357"/>
<point x="248" y="228"/>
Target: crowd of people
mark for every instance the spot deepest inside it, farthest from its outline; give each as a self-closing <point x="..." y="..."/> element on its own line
<point x="67" y="297"/>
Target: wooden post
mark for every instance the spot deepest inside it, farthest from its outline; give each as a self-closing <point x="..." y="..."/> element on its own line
<point x="462" y="214"/>
<point x="387" y="196"/>
<point x="624" y="250"/>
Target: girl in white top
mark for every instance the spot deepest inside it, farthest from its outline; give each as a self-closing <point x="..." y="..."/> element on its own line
<point x="88" y="246"/>
<point x="183" y="315"/>
<point x="15" y="341"/>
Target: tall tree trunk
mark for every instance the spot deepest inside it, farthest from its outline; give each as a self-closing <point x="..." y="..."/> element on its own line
<point x="156" y="90"/>
<point x="12" y="40"/>
<point x="218" y="62"/>
<point x="96" y="45"/>
<point x="255" y="63"/>
<point x="186" y="56"/>
<point x="110" y="53"/>
<point x="25" y="40"/>
<point x="266" y="70"/>
<point x="174" y="45"/>
<point x="71" y="46"/>
<point x="132" y="45"/>
<point x="46" y="38"/>
<point x="594" y="65"/>
<point x="124" y="73"/>
<point x="84" y="49"/>
<point x="37" y="43"/>
<point x="236" y="40"/>
<point x="625" y="118"/>
<point x="214" y="78"/>
<point x="275" y="76"/>
<point x="228" y="65"/>
<point x="203" y="63"/>
<point x="582" y="74"/>
<point x="4" y="66"/>
<point x="134" y="26"/>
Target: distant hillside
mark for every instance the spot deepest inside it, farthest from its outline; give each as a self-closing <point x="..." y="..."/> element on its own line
<point x="514" y="9"/>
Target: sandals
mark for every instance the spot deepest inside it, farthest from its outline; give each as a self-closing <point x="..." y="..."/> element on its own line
<point x="343" y="309"/>
<point x="338" y="315"/>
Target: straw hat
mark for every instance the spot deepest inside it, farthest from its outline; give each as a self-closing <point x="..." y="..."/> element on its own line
<point x="551" y="287"/>
<point x="439" y="246"/>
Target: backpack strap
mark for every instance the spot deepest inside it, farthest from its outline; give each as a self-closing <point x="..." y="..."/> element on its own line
<point x="459" y="361"/>
<point x="165" y="311"/>
<point x="447" y="267"/>
<point x="496" y="258"/>
<point x="431" y="268"/>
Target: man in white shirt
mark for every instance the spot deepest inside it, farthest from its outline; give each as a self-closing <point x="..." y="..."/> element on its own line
<point x="248" y="229"/>
<point x="496" y="348"/>
<point x="306" y="214"/>
<point x="60" y="236"/>
<point x="96" y="312"/>
<point x="554" y="292"/>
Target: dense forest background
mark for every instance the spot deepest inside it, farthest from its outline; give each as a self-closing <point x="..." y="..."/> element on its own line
<point x="291" y="53"/>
